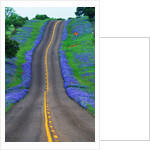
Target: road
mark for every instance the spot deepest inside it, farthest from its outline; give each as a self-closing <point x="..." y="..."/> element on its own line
<point x="47" y="113"/>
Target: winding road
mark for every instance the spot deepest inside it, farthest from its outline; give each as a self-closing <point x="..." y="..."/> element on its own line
<point x="47" y="114"/>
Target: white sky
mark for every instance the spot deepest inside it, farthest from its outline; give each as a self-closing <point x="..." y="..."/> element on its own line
<point x="55" y="12"/>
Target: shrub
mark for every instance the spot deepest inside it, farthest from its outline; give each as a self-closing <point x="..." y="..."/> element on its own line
<point x="41" y="17"/>
<point x="11" y="47"/>
<point x="17" y="20"/>
<point x="60" y="19"/>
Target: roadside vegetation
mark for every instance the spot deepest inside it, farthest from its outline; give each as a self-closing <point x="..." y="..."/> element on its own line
<point x="77" y="58"/>
<point x="20" y="42"/>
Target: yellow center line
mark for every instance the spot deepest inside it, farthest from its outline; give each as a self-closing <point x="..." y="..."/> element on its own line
<point x="46" y="111"/>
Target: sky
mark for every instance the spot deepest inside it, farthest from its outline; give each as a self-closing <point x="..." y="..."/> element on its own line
<point x="55" y="12"/>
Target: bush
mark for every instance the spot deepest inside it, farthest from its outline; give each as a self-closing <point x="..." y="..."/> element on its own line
<point x="7" y="23"/>
<point x="60" y="19"/>
<point x="41" y="17"/>
<point x="17" y="20"/>
<point x="26" y="18"/>
<point x="11" y="47"/>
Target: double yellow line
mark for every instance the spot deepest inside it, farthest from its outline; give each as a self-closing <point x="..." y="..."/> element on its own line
<point x="48" y="122"/>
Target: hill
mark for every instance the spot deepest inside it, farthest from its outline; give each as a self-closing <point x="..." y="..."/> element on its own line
<point x="77" y="58"/>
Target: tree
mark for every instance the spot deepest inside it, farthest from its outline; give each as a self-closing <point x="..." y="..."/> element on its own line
<point x="86" y="11"/>
<point x="11" y="47"/>
<point x="8" y="12"/>
<point x="12" y="18"/>
<point x="17" y="20"/>
<point x="41" y="17"/>
<point x="80" y="11"/>
<point x="90" y="12"/>
<point x="7" y="23"/>
<point x="26" y="18"/>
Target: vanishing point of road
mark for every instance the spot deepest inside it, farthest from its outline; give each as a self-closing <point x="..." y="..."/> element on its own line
<point x="47" y="114"/>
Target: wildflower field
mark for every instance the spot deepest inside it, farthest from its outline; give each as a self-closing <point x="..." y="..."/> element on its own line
<point x="18" y="69"/>
<point x="77" y="60"/>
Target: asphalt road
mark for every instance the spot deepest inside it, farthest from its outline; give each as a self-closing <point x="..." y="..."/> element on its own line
<point x="25" y="122"/>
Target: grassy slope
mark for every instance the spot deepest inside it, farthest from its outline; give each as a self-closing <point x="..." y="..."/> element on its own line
<point x="80" y="45"/>
<point x="82" y="42"/>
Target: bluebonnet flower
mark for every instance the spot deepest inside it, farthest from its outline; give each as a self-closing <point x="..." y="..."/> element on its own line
<point x="65" y="32"/>
<point x="92" y="80"/>
<point x="15" y="96"/>
<point x="82" y="26"/>
<point x="88" y="74"/>
<point x="22" y="34"/>
<point x="81" y="96"/>
<point x="10" y="69"/>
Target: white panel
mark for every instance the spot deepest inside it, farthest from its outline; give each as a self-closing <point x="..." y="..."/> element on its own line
<point x="124" y="89"/>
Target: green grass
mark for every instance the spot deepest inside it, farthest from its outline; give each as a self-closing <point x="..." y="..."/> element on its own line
<point x="10" y="30"/>
<point x="83" y="42"/>
<point x="23" y="49"/>
<point x="91" y="109"/>
<point x="8" y="108"/>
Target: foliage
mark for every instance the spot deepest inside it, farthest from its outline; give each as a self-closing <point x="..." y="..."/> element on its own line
<point x="26" y="18"/>
<point x="10" y="30"/>
<point x="8" y="12"/>
<point x="17" y="20"/>
<point x="11" y="18"/>
<point x="41" y="17"/>
<point x="60" y="19"/>
<point x="11" y="47"/>
<point x="86" y="11"/>
<point x="80" y="11"/>
<point x="90" y="12"/>
<point x="7" y="23"/>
